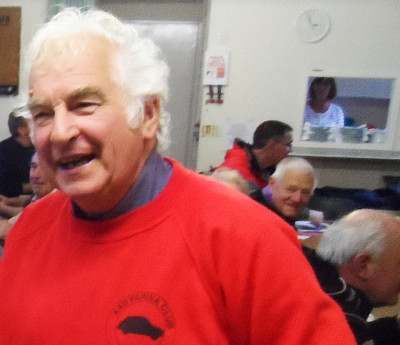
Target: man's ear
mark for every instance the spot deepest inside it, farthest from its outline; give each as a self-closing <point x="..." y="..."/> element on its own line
<point x="363" y="265"/>
<point x="270" y="143"/>
<point x="151" y="117"/>
<point x="271" y="183"/>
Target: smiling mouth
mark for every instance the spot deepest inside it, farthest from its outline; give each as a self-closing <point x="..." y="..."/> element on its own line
<point x="77" y="162"/>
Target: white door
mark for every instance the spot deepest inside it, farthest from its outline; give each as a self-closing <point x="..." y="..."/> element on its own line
<point x="179" y="42"/>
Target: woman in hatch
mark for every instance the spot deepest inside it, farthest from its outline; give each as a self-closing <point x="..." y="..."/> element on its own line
<point x="320" y="111"/>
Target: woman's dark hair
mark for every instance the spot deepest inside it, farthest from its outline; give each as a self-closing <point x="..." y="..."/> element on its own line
<point x="327" y="81"/>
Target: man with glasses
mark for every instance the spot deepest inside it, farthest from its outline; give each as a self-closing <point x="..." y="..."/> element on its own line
<point x="272" y="141"/>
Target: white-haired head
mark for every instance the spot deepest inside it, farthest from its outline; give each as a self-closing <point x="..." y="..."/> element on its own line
<point x="362" y="231"/>
<point x="137" y="65"/>
<point x="300" y="165"/>
<point x="232" y="178"/>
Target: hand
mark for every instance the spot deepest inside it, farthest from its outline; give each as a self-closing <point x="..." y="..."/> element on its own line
<point x="3" y="199"/>
<point x="26" y="188"/>
<point x="5" y="227"/>
<point x="316" y="217"/>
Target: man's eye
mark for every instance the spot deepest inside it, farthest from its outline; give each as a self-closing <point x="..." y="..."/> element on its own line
<point x="41" y="118"/>
<point x="86" y="108"/>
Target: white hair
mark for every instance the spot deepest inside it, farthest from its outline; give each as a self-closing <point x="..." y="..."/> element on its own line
<point x="361" y="231"/>
<point x="297" y="164"/>
<point x="137" y="65"/>
<point x="232" y="178"/>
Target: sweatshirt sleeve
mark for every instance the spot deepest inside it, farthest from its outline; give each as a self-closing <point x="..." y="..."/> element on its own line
<point x="268" y="293"/>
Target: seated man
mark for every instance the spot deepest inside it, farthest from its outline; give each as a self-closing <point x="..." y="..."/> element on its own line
<point x="15" y="156"/>
<point x="40" y="187"/>
<point x="289" y="191"/>
<point x="358" y="264"/>
<point x="272" y="141"/>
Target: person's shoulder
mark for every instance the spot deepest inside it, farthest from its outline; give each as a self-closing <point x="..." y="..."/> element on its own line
<point x="38" y="216"/>
<point x="336" y="108"/>
<point x="47" y="206"/>
<point x="258" y="196"/>
<point x="208" y="201"/>
<point x="239" y="147"/>
<point x="7" y="142"/>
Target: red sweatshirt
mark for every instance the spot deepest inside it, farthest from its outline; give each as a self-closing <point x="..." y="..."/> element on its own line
<point x="201" y="264"/>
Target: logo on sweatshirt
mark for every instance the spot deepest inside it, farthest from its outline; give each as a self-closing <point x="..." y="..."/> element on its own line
<point x="141" y="318"/>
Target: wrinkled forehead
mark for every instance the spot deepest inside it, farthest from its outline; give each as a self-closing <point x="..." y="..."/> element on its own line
<point x="298" y="178"/>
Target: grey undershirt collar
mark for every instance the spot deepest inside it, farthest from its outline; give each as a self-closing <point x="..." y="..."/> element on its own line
<point x="152" y="181"/>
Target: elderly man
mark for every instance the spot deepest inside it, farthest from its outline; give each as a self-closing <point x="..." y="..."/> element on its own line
<point x="272" y="141"/>
<point x="358" y="264"/>
<point x="135" y="248"/>
<point x="289" y="191"/>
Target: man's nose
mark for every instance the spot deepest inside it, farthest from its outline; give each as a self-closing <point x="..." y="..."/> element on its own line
<point x="296" y="196"/>
<point x="64" y="126"/>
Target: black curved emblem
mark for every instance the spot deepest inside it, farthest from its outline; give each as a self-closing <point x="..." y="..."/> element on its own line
<point x="141" y="326"/>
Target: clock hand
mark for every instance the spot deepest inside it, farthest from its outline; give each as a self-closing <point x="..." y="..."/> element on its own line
<point x="309" y="20"/>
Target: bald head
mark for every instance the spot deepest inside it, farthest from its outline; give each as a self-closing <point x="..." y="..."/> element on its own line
<point x="364" y="245"/>
<point x="360" y="231"/>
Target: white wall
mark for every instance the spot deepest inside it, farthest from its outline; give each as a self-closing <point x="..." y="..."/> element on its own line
<point x="33" y="12"/>
<point x="269" y="63"/>
<point x="184" y="10"/>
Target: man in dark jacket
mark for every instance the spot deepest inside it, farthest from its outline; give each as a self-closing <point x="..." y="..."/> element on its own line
<point x="15" y="157"/>
<point x="358" y="264"/>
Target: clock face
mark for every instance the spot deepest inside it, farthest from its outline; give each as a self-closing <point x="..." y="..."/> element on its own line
<point x="313" y="25"/>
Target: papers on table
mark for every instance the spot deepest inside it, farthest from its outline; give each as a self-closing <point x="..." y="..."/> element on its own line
<point x="306" y="229"/>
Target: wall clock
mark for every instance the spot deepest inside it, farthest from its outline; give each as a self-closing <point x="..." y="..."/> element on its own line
<point x="313" y="25"/>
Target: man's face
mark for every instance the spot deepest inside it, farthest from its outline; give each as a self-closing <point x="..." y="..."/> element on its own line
<point x="39" y="183"/>
<point x="24" y="133"/>
<point x="292" y="192"/>
<point x="282" y="147"/>
<point x="383" y="285"/>
<point x="80" y="125"/>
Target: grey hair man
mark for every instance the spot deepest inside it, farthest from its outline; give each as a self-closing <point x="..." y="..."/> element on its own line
<point x="134" y="248"/>
<point x="290" y="189"/>
<point x="358" y="264"/>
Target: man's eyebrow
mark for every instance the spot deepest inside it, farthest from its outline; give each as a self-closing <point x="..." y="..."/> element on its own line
<point x="36" y="104"/>
<point x="73" y="96"/>
<point x="87" y="91"/>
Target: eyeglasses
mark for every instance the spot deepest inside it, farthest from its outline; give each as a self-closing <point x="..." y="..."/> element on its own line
<point x="289" y="144"/>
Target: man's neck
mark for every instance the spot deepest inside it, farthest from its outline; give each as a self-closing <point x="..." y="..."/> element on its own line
<point x="346" y="272"/>
<point x="151" y="182"/>
<point x="24" y="141"/>
<point x="261" y="156"/>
